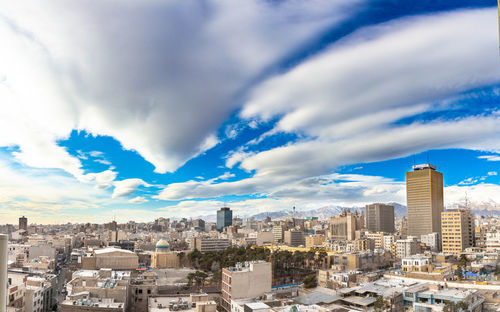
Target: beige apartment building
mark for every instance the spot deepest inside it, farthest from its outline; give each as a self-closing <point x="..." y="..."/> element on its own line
<point x="111" y="258"/>
<point x="248" y="280"/>
<point x="345" y="225"/>
<point x="457" y="230"/>
<point x="424" y="200"/>
<point x="314" y="241"/>
<point x="204" y="244"/>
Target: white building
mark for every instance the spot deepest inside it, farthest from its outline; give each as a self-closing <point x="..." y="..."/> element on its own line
<point x="407" y="247"/>
<point x="432" y="240"/>
<point x="493" y="241"/>
<point x="388" y="241"/>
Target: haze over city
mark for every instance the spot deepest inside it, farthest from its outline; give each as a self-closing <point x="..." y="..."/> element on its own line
<point x="135" y="110"/>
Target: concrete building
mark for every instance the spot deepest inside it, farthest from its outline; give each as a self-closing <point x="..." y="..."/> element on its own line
<point x="92" y="290"/>
<point x="224" y="218"/>
<point x="493" y="241"/>
<point x="424" y="200"/>
<point x="457" y="230"/>
<point x="278" y="233"/>
<point x="416" y="263"/>
<point x="407" y="247"/>
<point x="357" y="261"/>
<point x="205" y="244"/>
<point x="16" y="291"/>
<point x="377" y="238"/>
<point x="193" y="303"/>
<point x="313" y="241"/>
<point x="432" y="240"/>
<point x="140" y="289"/>
<point x="379" y="218"/>
<point x="245" y="281"/>
<point x="23" y="223"/>
<point x="294" y="238"/>
<point x="45" y="250"/>
<point x="112" y="258"/>
<point x="199" y="225"/>
<point x="345" y="225"/>
<point x="429" y="297"/>
<point x="264" y="238"/>
<point x="389" y="241"/>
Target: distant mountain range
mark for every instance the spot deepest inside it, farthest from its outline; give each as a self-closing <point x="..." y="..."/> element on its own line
<point x="323" y="212"/>
<point x="326" y="212"/>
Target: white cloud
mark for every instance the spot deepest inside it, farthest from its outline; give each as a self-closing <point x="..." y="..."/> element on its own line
<point x="138" y="200"/>
<point x="102" y="179"/>
<point x="490" y="157"/>
<point x="345" y="102"/>
<point x="492" y="173"/>
<point x="127" y="187"/>
<point x="159" y="77"/>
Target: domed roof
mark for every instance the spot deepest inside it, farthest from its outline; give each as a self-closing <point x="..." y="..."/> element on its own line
<point x="162" y="244"/>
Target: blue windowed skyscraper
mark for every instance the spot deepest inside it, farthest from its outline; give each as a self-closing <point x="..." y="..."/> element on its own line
<point x="224" y="218"/>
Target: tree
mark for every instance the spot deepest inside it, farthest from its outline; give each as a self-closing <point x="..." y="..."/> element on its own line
<point x="451" y="306"/>
<point x="310" y="281"/>
<point x="380" y="304"/>
<point x="463" y="260"/>
<point x="459" y="273"/>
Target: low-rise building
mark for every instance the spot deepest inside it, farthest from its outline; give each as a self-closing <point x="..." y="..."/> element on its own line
<point x="111" y="258"/>
<point x="407" y="247"/>
<point x="416" y="263"/>
<point x="247" y="280"/>
<point x="204" y="244"/>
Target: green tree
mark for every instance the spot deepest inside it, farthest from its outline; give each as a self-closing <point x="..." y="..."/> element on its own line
<point x="459" y="273"/>
<point x="463" y="260"/>
<point x="451" y="306"/>
<point x="310" y="281"/>
<point x="380" y="304"/>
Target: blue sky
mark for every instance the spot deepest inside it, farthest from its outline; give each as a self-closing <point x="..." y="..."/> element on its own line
<point x="152" y="108"/>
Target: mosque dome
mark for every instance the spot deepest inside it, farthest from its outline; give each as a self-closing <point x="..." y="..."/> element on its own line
<point x="162" y="244"/>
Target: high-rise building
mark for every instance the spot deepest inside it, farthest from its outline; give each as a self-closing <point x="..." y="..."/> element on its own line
<point x="424" y="200"/>
<point x="23" y="223"/>
<point x="379" y="218"/>
<point x="224" y="218"/>
<point x="457" y="227"/>
<point x="112" y="226"/>
<point x="345" y="225"/>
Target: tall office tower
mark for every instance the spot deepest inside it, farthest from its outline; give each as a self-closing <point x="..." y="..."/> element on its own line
<point x="424" y="200"/>
<point x="23" y="223"/>
<point x="345" y="225"/>
<point x="457" y="227"/>
<point x="379" y="218"/>
<point x="112" y="226"/>
<point x="224" y="218"/>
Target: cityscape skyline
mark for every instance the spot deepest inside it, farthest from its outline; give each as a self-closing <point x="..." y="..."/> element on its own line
<point x="319" y="106"/>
